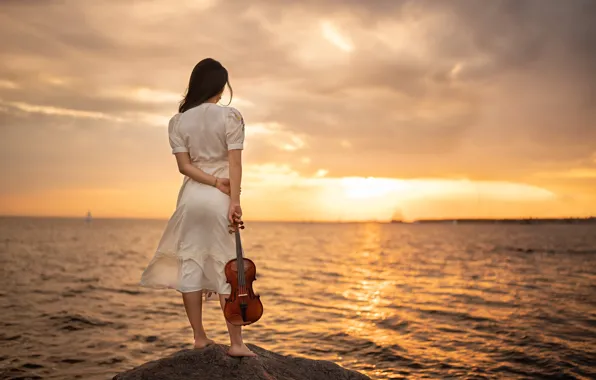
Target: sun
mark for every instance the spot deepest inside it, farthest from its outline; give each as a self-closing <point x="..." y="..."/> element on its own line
<point x="367" y="188"/>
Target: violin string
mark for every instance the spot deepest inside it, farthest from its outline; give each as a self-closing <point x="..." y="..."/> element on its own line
<point x="241" y="276"/>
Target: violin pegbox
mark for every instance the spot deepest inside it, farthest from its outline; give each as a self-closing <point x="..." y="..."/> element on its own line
<point x="231" y="229"/>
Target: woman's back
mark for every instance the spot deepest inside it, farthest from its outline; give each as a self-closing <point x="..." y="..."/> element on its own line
<point x="207" y="132"/>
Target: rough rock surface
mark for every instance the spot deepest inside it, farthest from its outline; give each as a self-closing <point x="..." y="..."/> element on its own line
<point x="213" y="363"/>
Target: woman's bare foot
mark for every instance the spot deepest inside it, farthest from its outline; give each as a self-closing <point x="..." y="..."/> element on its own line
<point x="203" y="342"/>
<point x="240" y="351"/>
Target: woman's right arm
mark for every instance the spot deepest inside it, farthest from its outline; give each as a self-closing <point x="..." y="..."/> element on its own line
<point x="235" y="142"/>
<point x="235" y="161"/>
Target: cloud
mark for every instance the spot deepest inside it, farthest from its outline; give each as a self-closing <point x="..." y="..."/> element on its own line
<point x="496" y="91"/>
<point x="335" y="37"/>
<point x="49" y="110"/>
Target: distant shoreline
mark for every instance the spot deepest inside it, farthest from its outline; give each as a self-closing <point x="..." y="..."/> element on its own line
<point x="588" y="220"/>
<point x="455" y="221"/>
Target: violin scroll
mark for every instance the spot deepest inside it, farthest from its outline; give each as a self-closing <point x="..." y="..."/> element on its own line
<point x="232" y="227"/>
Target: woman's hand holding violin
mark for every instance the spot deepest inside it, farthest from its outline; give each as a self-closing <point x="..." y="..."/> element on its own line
<point x="235" y="216"/>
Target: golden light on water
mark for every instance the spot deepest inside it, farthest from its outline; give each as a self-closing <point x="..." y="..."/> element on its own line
<point x="405" y="304"/>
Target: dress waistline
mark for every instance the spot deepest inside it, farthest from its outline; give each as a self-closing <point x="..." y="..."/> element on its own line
<point x="219" y="168"/>
<point x="211" y="164"/>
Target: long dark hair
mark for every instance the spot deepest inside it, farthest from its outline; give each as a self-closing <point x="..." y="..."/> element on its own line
<point x="208" y="79"/>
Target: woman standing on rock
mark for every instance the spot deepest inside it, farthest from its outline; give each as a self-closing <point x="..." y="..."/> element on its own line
<point x="207" y="140"/>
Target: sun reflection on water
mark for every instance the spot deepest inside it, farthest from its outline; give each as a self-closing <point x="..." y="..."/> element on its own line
<point x="390" y="301"/>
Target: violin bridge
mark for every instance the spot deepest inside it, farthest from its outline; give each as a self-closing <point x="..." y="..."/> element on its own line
<point x="242" y="295"/>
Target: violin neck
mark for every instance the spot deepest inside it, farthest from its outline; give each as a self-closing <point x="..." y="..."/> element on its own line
<point x="238" y="246"/>
<point x="239" y="258"/>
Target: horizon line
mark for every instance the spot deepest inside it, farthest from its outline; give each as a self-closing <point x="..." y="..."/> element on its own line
<point x="337" y="221"/>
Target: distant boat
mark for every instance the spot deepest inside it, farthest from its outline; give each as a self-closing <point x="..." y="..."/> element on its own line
<point x="397" y="217"/>
<point x="89" y="217"/>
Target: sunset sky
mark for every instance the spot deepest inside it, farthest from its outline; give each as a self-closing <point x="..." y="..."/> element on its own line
<point x="355" y="110"/>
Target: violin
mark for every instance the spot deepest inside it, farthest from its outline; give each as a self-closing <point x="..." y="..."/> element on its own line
<point x="243" y="307"/>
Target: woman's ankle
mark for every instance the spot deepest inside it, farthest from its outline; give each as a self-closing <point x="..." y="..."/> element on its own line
<point x="237" y="344"/>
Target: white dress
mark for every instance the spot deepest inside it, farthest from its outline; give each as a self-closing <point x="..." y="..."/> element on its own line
<point x="196" y="244"/>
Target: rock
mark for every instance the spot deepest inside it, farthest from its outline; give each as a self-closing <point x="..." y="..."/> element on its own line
<point x="213" y="363"/>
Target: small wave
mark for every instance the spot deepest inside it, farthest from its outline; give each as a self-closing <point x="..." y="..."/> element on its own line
<point x="18" y="374"/>
<point x="112" y="361"/>
<point x="75" y="322"/>
<point x="547" y="251"/>
<point x="9" y="337"/>
<point x="346" y="345"/>
<point x="455" y="315"/>
<point x="72" y="361"/>
<point x="395" y="324"/>
<point x="133" y="292"/>
<point x="145" y="338"/>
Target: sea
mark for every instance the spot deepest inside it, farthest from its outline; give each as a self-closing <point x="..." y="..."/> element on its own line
<point x="393" y="301"/>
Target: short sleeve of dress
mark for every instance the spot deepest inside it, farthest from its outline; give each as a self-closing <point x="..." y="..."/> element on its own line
<point x="234" y="129"/>
<point x="177" y="142"/>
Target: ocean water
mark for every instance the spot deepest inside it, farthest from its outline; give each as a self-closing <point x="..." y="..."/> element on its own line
<point x="391" y="301"/>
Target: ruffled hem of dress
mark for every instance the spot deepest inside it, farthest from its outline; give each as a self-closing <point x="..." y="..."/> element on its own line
<point x="176" y="284"/>
<point x="208" y="294"/>
<point x="180" y="289"/>
<point x="181" y="257"/>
